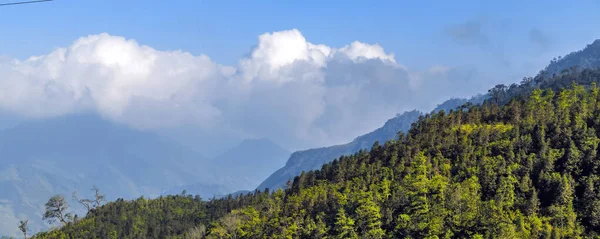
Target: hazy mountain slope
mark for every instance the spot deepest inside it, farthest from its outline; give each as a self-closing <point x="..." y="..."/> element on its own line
<point x="45" y="157"/>
<point x="23" y="189"/>
<point x="240" y="168"/>
<point x="251" y="161"/>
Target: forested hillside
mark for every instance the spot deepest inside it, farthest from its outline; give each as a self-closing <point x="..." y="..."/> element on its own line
<point x="587" y="58"/>
<point x="522" y="165"/>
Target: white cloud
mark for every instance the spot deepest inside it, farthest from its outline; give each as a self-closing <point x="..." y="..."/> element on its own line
<point x="276" y="54"/>
<point x="288" y="89"/>
<point x="360" y="51"/>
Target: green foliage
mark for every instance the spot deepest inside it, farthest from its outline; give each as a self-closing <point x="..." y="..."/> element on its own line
<point x="180" y="216"/>
<point x="469" y="128"/>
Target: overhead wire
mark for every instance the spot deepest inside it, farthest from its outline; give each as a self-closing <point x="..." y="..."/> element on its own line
<point x="24" y="2"/>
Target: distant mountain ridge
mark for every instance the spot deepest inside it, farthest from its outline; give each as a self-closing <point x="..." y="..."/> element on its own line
<point x="41" y="158"/>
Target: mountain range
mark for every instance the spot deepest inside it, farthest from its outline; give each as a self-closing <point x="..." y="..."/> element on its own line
<point x="61" y="155"/>
<point x="41" y="158"/>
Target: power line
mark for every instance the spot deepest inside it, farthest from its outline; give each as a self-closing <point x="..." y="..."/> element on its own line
<point x="26" y="2"/>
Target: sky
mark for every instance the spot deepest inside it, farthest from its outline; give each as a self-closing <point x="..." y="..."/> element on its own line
<point x="301" y="73"/>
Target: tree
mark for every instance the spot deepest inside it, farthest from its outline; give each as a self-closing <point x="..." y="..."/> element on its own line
<point x="344" y="225"/>
<point x="498" y="92"/>
<point x="197" y="232"/>
<point x="99" y="198"/>
<point x="56" y="210"/>
<point x="232" y="223"/>
<point x="87" y="203"/>
<point x="23" y="227"/>
<point x="369" y="219"/>
<point x="93" y="203"/>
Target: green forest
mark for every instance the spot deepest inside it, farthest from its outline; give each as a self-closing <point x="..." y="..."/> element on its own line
<point x="523" y="164"/>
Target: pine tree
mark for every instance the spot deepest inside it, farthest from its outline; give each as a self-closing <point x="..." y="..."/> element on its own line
<point x="344" y="225"/>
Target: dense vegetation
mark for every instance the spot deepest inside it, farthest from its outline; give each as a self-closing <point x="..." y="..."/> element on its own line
<point x="521" y="165"/>
<point x="164" y="217"/>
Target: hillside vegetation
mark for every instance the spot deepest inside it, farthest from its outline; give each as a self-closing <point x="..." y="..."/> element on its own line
<point x="521" y="165"/>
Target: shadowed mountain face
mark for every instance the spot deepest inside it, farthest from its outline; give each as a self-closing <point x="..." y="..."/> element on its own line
<point x="46" y="157"/>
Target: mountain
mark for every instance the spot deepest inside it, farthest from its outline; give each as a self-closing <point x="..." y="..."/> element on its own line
<point x="42" y="158"/>
<point x="241" y="168"/>
<point x="251" y="161"/>
<point x="588" y="58"/>
<point x="524" y="169"/>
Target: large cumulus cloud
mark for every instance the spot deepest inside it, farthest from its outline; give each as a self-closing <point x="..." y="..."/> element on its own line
<point x="287" y="89"/>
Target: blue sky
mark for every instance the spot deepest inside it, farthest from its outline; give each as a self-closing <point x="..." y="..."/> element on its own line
<point x="441" y="49"/>
<point x="226" y="30"/>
